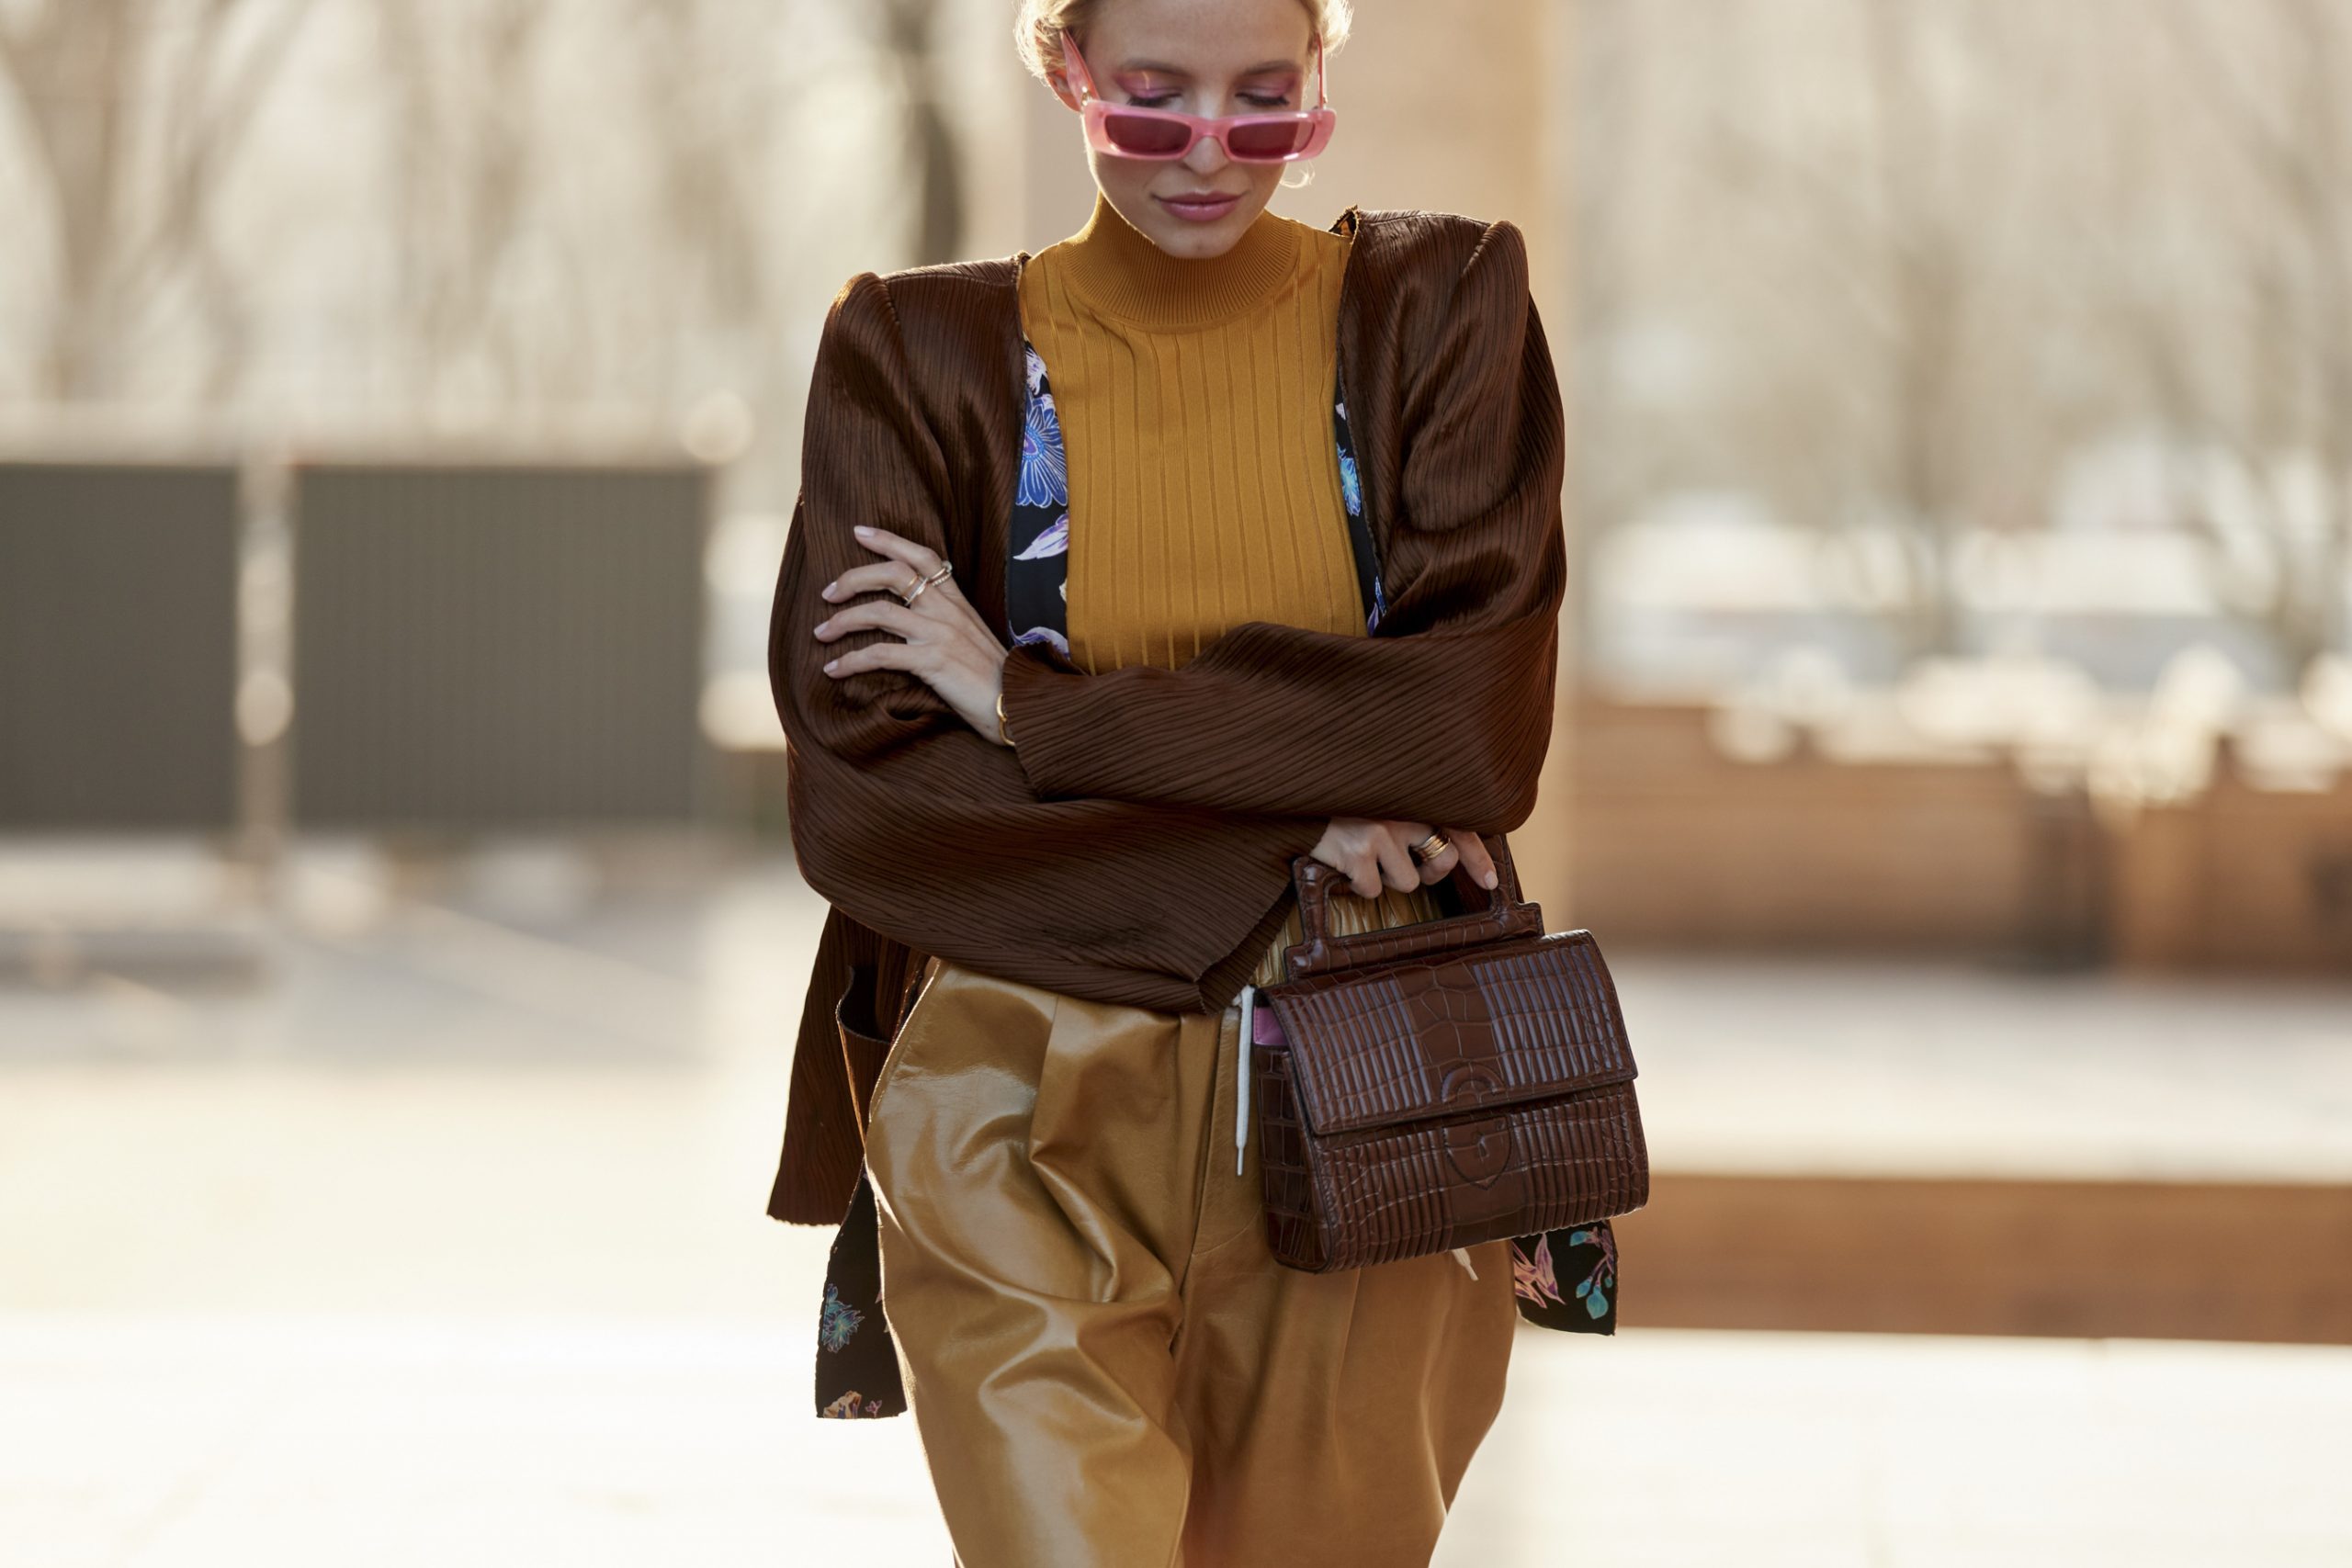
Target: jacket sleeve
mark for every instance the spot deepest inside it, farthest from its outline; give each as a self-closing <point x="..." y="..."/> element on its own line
<point x="912" y="823"/>
<point x="1443" y="714"/>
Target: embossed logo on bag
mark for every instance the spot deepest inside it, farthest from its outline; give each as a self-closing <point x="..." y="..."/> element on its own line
<point x="1467" y="1081"/>
<point x="1479" y="1151"/>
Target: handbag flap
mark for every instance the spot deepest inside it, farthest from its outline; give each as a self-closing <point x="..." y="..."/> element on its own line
<point x="1485" y="1027"/>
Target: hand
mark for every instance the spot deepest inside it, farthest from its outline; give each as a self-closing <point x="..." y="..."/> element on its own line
<point x="1375" y="853"/>
<point x="948" y="646"/>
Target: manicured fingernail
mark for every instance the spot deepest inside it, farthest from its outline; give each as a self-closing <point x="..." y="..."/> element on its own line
<point x="863" y="529"/>
<point x="1487" y="878"/>
<point x="831" y="662"/>
<point x="824" y="625"/>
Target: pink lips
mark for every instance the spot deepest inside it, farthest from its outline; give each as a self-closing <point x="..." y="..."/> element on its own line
<point x="1200" y="210"/>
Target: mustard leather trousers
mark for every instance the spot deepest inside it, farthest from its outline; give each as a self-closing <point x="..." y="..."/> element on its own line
<point x="1106" y="1366"/>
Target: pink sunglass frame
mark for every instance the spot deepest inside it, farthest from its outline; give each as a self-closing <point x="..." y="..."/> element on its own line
<point x="1321" y="120"/>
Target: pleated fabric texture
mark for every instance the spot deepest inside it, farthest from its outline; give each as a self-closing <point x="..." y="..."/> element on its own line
<point x="1130" y="850"/>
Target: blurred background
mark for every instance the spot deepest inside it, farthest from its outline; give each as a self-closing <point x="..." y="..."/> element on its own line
<point x="401" y="944"/>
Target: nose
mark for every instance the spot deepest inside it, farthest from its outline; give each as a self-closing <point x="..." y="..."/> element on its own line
<point x="1207" y="156"/>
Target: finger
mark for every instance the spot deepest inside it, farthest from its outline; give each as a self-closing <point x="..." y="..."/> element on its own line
<point x="1360" y="866"/>
<point x="1425" y="871"/>
<point x="884" y="614"/>
<point x="923" y="558"/>
<point x="1397" y="866"/>
<point x="894" y="577"/>
<point x="1439" y="866"/>
<point x="874" y="655"/>
<point x="1476" y="856"/>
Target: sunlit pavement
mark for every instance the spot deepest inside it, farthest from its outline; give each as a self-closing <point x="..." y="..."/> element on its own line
<point x="356" y="1441"/>
<point x="445" y="1247"/>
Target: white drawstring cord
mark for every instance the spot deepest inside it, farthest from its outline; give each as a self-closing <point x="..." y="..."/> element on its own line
<point x="1241" y="1076"/>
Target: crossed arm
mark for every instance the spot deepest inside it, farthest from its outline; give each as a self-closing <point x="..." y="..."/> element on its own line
<point x="1444" y="714"/>
<point x="913" y="822"/>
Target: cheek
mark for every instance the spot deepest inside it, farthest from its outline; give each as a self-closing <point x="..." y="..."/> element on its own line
<point x="1126" y="181"/>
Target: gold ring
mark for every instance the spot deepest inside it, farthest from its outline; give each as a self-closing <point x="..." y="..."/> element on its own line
<point x="947" y="569"/>
<point x="1433" y="846"/>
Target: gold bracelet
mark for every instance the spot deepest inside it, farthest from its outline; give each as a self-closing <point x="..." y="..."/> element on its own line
<point x="1003" y="738"/>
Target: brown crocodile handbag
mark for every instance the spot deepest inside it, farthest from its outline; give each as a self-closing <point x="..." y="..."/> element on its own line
<point x="1439" y="1084"/>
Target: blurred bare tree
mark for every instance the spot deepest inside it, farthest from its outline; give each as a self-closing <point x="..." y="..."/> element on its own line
<point x="476" y="209"/>
<point x="1906" y="266"/>
<point x="102" y="86"/>
<point x="909" y="31"/>
<point x="464" y="138"/>
<point x="2269" y="75"/>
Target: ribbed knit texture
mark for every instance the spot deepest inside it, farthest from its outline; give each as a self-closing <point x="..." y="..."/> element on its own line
<point x="1195" y="404"/>
<point x="1195" y="396"/>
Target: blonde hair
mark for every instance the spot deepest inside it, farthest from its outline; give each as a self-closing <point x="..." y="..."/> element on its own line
<point x="1036" y="29"/>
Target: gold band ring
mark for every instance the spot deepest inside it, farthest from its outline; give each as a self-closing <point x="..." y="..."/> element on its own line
<point x="1432" y="847"/>
<point x="947" y="569"/>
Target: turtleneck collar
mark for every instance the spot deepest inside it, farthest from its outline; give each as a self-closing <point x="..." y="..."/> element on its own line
<point x="1121" y="272"/>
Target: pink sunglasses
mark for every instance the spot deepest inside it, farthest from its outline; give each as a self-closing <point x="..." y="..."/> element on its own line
<point x="1125" y="131"/>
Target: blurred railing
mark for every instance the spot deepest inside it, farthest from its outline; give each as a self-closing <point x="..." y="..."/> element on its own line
<point x="117" y="646"/>
<point x="420" y="649"/>
<point x="478" y="647"/>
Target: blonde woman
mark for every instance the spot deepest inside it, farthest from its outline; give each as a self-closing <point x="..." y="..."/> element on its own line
<point x="1123" y="573"/>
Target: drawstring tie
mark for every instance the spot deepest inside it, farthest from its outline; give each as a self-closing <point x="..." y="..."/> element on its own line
<point x="1241" y="1076"/>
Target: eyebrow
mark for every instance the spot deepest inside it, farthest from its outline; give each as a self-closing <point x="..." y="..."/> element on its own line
<point x="1262" y="69"/>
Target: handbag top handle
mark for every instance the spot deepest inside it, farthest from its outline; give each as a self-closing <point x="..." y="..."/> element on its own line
<point x="1502" y="914"/>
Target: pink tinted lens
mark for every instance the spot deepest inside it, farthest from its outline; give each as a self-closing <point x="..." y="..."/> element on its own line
<point x="1144" y="136"/>
<point x="1279" y="139"/>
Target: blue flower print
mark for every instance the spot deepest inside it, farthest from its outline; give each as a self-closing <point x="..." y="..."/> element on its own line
<point x="1052" y="542"/>
<point x="837" y="1321"/>
<point x="1039" y="529"/>
<point x="1359" y="540"/>
<point x="1045" y="474"/>
<point x="1544" y="1267"/>
<point x="1044" y="634"/>
<point x="1593" y="1288"/>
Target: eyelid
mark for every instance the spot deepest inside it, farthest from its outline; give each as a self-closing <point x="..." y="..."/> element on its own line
<point x="1147" y="82"/>
<point x="1262" y="100"/>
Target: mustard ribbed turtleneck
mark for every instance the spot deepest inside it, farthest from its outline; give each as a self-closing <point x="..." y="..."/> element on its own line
<point x="1195" y="396"/>
<point x="1195" y="405"/>
<point x="1123" y="273"/>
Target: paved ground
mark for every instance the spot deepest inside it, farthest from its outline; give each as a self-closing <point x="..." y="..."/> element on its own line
<point x="270" y="1442"/>
<point x="444" y="1246"/>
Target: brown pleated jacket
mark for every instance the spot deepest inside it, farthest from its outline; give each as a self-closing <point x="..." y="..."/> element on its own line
<point x="1135" y="847"/>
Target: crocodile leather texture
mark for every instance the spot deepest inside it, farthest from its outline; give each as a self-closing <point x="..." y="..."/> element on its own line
<point x="1439" y="1085"/>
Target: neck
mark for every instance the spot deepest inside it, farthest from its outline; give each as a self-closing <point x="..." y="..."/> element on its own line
<point x="1122" y="273"/>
